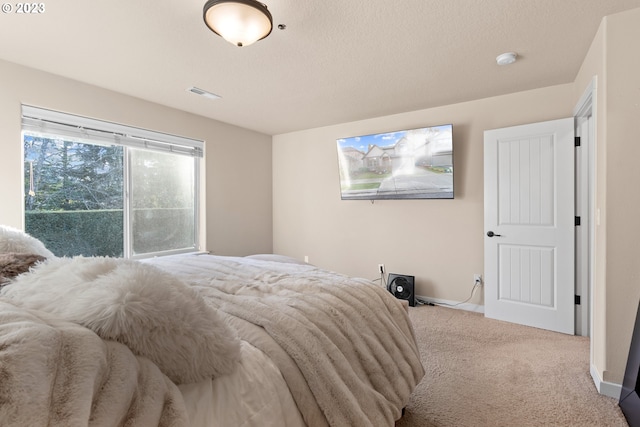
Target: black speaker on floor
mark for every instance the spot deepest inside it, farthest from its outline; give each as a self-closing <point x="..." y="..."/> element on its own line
<point x="402" y="287"/>
<point x="630" y="394"/>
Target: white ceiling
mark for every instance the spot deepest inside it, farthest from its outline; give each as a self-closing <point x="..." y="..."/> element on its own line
<point x="337" y="60"/>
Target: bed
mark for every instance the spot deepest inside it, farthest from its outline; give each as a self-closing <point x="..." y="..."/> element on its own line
<point x="196" y="340"/>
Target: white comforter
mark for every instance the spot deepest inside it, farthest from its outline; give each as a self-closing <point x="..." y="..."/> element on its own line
<point x="344" y="346"/>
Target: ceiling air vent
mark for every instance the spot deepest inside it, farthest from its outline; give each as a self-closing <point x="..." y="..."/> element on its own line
<point x="203" y="92"/>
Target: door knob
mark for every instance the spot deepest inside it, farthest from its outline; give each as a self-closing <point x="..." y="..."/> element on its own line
<point x="492" y="234"/>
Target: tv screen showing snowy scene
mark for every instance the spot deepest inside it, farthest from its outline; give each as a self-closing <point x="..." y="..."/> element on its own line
<point x="406" y="164"/>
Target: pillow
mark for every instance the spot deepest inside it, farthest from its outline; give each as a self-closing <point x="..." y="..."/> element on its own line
<point x="14" y="264"/>
<point x="151" y="311"/>
<point x="14" y="240"/>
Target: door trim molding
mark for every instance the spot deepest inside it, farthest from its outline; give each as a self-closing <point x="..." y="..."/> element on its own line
<point x="586" y="103"/>
<point x="587" y="106"/>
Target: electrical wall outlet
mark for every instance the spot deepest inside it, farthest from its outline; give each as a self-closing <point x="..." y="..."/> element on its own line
<point x="381" y="268"/>
<point x="477" y="278"/>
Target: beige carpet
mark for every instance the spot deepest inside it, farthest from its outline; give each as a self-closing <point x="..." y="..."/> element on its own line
<point x="484" y="372"/>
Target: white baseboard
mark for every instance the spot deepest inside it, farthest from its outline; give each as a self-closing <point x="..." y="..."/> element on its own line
<point x="604" y="387"/>
<point x="453" y="304"/>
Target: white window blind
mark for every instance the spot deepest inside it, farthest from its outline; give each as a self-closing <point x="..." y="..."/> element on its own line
<point x="54" y="123"/>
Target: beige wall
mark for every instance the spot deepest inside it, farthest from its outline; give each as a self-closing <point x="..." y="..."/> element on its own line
<point x="622" y="179"/>
<point x="438" y="241"/>
<point x="237" y="166"/>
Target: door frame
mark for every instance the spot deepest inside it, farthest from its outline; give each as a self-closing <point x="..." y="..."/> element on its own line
<point x="585" y="108"/>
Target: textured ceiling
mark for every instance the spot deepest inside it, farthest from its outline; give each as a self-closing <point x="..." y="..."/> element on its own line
<point x="336" y="61"/>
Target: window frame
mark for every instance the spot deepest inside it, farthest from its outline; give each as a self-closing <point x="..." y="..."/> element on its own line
<point x="92" y="131"/>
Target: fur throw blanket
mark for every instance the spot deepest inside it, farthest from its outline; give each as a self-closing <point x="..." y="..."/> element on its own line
<point x="17" y="241"/>
<point x="150" y="311"/>
<point x="103" y="342"/>
<point x="57" y="373"/>
<point x="12" y="264"/>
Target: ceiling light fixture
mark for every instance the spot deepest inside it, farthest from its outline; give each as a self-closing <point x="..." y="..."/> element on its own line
<point x="506" y="58"/>
<point x="240" y="22"/>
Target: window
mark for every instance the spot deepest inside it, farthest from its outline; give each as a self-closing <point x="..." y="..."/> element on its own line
<point x="96" y="188"/>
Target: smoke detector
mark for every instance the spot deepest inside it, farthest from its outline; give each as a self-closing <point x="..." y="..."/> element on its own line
<point x="506" y="58"/>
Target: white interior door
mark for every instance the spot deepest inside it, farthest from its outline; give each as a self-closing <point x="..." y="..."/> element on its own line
<point x="529" y="224"/>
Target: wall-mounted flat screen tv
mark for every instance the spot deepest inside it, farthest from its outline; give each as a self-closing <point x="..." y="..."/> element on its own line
<point x="406" y="164"/>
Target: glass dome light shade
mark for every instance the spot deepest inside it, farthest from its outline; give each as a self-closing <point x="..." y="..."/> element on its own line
<point x="240" y="22"/>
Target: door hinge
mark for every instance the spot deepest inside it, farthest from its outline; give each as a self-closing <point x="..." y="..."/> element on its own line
<point x="577" y="299"/>
<point x="577" y="221"/>
<point x="576" y="141"/>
